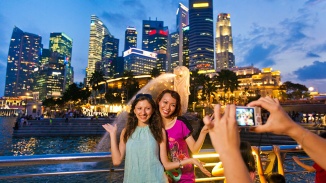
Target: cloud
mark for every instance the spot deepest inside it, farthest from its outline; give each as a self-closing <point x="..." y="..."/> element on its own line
<point x="314" y="71"/>
<point x="321" y="47"/>
<point x="312" y="55"/>
<point x="313" y="2"/>
<point x="260" y="55"/>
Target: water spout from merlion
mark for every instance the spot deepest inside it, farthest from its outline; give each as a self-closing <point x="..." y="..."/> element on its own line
<point x="179" y="81"/>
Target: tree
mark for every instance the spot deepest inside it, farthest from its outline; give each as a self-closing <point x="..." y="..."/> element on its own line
<point x="75" y="94"/>
<point x="294" y="90"/>
<point x="228" y="81"/>
<point x="97" y="77"/>
<point x="155" y="72"/>
<point x="131" y="85"/>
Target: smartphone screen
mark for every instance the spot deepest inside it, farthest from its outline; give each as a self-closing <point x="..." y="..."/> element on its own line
<point x="245" y="116"/>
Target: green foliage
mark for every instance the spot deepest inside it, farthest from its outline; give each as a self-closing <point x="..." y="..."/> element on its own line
<point x="293" y="90"/>
<point x="96" y="78"/>
<point x="131" y="85"/>
<point x="76" y="94"/>
<point x="155" y="72"/>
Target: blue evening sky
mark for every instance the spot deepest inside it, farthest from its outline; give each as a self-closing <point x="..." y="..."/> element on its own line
<point x="287" y="35"/>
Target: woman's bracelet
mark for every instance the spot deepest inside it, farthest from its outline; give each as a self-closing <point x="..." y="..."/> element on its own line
<point x="180" y="165"/>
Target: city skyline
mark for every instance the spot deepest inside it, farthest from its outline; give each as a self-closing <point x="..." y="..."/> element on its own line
<point x="291" y="40"/>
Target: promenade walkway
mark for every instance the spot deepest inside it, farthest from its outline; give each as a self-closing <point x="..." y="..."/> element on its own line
<point x="58" y="127"/>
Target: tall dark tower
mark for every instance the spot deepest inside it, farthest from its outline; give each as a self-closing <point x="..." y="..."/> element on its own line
<point x="23" y="58"/>
<point x="201" y="39"/>
<point x="130" y="38"/>
<point x="149" y="25"/>
<point x="110" y="49"/>
<point x="158" y="43"/>
<point x="224" y="42"/>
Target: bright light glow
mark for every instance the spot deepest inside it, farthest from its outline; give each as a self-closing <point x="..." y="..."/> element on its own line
<point x="311" y="89"/>
<point x="211" y="155"/>
<point x="200" y="5"/>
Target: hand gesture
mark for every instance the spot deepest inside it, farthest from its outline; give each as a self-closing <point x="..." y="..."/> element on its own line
<point x="278" y="122"/>
<point x="276" y="150"/>
<point x="112" y="129"/>
<point x="200" y="165"/>
<point x="223" y="130"/>
<point x="205" y="129"/>
<point x="296" y="158"/>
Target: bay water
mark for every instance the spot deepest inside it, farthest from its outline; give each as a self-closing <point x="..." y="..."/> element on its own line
<point x="26" y="146"/>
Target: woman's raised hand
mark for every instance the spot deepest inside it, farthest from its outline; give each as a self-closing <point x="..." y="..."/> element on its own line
<point x="112" y="129"/>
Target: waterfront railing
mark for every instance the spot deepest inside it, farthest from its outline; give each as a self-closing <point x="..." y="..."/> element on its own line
<point x="205" y="155"/>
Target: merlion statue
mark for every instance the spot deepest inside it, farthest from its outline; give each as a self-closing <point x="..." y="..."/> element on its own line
<point x="181" y="85"/>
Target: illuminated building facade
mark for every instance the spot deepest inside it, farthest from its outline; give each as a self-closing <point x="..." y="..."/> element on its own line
<point x="61" y="44"/>
<point x="185" y="46"/>
<point x="149" y="25"/>
<point x="130" y="38"/>
<point x="97" y="33"/>
<point x="55" y="73"/>
<point x="253" y="82"/>
<point x="139" y="62"/>
<point x="224" y="42"/>
<point x="201" y="40"/>
<point x="174" y="50"/>
<point x="176" y="46"/>
<point x="158" y="43"/>
<point x="110" y="50"/>
<point x="23" y="59"/>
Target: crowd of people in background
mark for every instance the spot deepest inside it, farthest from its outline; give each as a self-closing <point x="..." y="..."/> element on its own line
<point x="313" y="117"/>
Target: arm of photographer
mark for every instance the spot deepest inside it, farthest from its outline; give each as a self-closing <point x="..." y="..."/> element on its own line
<point x="225" y="132"/>
<point x="280" y="123"/>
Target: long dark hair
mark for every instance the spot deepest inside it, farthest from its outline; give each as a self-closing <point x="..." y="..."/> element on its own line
<point x="248" y="158"/>
<point x="155" y="125"/>
<point x="174" y="95"/>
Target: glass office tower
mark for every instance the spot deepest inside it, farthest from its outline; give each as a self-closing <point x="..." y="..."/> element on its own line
<point x="23" y="58"/>
<point x="97" y="33"/>
<point x="130" y="38"/>
<point x="201" y="40"/>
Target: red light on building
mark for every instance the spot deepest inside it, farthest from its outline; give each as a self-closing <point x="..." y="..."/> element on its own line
<point x="164" y="33"/>
<point x="152" y="32"/>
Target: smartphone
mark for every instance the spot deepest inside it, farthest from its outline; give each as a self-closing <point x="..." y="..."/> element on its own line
<point x="248" y="116"/>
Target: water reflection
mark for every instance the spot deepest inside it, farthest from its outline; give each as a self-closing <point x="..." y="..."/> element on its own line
<point x="65" y="145"/>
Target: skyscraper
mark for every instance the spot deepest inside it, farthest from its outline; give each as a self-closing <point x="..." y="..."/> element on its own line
<point x="182" y="21"/>
<point x="62" y="44"/>
<point x="176" y="38"/>
<point x="110" y="49"/>
<point x="185" y="46"/>
<point x="23" y="58"/>
<point x="201" y="40"/>
<point x="224" y="42"/>
<point x="149" y="25"/>
<point x="158" y="43"/>
<point x="155" y="39"/>
<point x="130" y="38"/>
<point x="97" y="32"/>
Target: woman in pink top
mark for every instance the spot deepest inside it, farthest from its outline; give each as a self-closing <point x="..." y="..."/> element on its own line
<point x="179" y="135"/>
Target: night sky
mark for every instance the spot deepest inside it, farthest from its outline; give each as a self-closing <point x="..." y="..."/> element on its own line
<point x="287" y="35"/>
